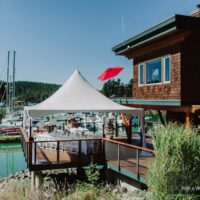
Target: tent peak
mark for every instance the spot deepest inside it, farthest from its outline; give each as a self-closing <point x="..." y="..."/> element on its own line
<point x="76" y="71"/>
<point x="78" y="95"/>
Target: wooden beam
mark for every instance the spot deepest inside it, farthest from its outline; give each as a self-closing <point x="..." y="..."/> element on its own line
<point x="161" y="43"/>
<point x="156" y="107"/>
<point x="161" y="118"/>
<point x="62" y="165"/>
<point x="187" y="120"/>
<point x="129" y="130"/>
<point x="194" y="108"/>
<point x="124" y="119"/>
<point x="127" y="127"/>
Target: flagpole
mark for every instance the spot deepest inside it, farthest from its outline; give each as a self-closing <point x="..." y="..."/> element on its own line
<point x="122" y="28"/>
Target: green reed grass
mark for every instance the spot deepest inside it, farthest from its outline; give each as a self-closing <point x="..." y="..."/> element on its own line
<point x="177" y="163"/>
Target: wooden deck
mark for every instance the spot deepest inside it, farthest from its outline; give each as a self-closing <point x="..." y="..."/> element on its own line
<point x="49" y="157"/>
<point x="127" y="159"/>
<point x="131" y="165"/>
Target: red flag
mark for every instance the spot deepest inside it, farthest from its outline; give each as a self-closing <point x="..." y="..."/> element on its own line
<point x="110" y="73"/>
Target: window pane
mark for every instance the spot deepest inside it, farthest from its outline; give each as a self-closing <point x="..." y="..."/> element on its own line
<point x="141" y="74"/>
<point x="154" y="71"/>
<point x="167" y="69"/>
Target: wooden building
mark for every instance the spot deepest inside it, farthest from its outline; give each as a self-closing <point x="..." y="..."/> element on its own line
<point x="166" y="67"/>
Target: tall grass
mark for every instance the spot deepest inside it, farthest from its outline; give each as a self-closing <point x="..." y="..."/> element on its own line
<point x="177" y="163"/>
<point x="17" y="190"/>
<point x="60" y="186"/>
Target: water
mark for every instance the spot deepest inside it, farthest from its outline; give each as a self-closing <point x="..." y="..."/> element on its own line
<point x="11" y="159"/>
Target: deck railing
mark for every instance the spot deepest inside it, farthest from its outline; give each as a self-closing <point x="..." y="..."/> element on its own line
<point x="120" y="155"/>
<point x="122" y="100"/>
<point x="61" y="151"/>
<point x="25" y="145"/>
<point x="128" y="157"/>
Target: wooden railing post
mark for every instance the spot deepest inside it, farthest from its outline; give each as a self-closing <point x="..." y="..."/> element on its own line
<point x="138" y="164"/>
<point x="58" y="151"/>
<point x="103" y="149"/>
<point x="79" y="148"/>
<point x="22" y="142"/>
<point x="103" y="134"/>
<point x="103" y="126"/>
<point x="30" y="153"/>
<point x="118" y="156"/>
<point x="23" y="145"/>
<point x="35" y="152"/>
<point x="116" y="129"/>
<point x="94" y="127"/>
<point x="27" y="146"/>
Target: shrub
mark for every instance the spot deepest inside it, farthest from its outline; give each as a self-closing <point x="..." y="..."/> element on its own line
<point x="176" y="165"/>
<point x="93" y="174"/>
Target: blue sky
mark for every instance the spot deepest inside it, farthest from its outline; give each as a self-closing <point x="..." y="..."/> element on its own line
<point x="54" y="37"/>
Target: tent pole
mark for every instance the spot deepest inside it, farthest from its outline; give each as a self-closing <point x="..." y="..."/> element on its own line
<point x="30" y="130"/>
<point x="143" y="131"/>
<point x="129" y="128"/>
<point x="103" y="126"/>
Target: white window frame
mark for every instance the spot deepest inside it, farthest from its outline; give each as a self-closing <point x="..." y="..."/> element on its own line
<point x="143" y="76"/>
<point x="146" y="71"/>
<point x="144" y="64"/>
<point x="164" y="62"/>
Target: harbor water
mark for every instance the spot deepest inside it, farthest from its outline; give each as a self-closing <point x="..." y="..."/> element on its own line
<point x="11" y="158"/>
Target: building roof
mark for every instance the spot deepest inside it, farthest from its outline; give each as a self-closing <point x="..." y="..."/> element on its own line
<point x="77" y="95"/>
<point x="174" y="23"/>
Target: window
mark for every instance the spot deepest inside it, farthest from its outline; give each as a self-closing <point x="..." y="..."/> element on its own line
<point x="167" y="69"/>
<point x="154" y="73"/>
<point x="141" y="74"/>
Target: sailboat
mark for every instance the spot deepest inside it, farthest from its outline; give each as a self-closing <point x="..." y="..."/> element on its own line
<point x="10" y="119"/>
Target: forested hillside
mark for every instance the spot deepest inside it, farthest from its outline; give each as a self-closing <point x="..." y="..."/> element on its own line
<point x="34" y="91"/>
<point x="31" y="91"/>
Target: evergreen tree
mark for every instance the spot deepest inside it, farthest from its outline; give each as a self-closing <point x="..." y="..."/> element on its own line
<point x="115" y="88"/>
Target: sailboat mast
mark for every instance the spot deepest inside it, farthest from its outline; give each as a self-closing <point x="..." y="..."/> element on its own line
<point x="7" y="84"/>
<point x="13" y="84"/>
<point x="10" y="93"/>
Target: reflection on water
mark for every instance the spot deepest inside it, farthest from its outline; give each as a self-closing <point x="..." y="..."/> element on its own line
<point x="11" y="159"/>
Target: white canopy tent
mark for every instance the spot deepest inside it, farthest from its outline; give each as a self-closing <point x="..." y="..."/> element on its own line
<point x="78" y="95"/>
